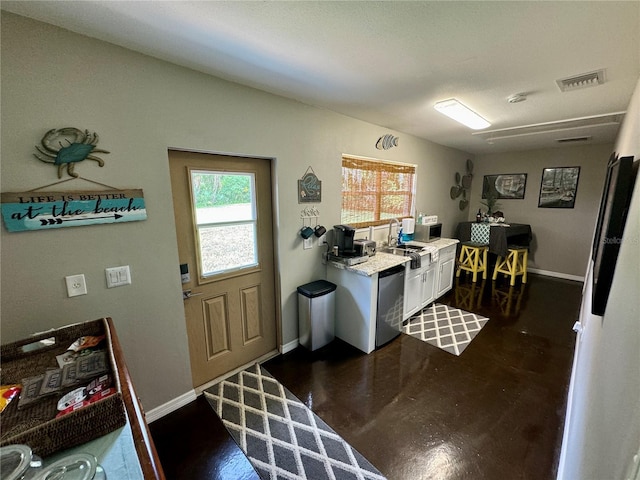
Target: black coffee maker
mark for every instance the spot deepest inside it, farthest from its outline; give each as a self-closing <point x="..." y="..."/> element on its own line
<point x="343" y="235"/>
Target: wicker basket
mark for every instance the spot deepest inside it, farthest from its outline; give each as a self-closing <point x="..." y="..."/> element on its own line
<point x="35" y="425"/>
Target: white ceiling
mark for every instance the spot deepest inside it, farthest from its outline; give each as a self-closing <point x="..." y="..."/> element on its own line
<point x="388" y="62"/>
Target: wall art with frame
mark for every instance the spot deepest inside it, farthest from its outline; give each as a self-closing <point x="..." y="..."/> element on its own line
<point x="558" y="187"/>
<point x="504" y="186"/>
<point x="612" y="216"/>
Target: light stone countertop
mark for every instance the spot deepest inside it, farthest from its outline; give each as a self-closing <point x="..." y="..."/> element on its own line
<point x="382" y="261"/>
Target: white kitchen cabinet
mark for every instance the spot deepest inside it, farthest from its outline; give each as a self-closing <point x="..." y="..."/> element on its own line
<point x="429" y="283"/>
<point x="419" y="286"/>
<point x="446" y="267"/>
<point x="413" y="285"/>
<point x="357" y="299"/>
<point x="356" y="307"/>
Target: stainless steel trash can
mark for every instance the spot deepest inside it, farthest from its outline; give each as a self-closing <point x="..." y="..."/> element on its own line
<point x="316" y="314"/>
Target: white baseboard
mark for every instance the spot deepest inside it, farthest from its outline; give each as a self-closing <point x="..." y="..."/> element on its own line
<point x="190" y="396"/>
<point x="167" y="408"/>
<point x="290" y="346"/>
<point x="547" y="273"/>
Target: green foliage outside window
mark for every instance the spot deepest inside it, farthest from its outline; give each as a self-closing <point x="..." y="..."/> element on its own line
<point x="214" y="190"/>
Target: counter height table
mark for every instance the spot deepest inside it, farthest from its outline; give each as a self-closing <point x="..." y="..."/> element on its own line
<point x="500" y="235"/>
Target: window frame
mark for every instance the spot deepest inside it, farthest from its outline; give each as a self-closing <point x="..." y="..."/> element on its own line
<point x="207" y="277"/>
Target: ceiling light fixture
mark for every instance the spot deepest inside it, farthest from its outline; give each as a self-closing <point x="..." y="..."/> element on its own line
<point x="452" y="108"/>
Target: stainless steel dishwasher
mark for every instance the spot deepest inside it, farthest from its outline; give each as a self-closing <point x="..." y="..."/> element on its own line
<point x="390" y="304"/>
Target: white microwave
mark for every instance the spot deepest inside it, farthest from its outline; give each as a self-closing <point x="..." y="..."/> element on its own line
<point x="427" y="233"/>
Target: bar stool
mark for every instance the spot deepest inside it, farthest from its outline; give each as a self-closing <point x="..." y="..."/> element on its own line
<point x="514" y="264"/>
<point x="473" y="258"/>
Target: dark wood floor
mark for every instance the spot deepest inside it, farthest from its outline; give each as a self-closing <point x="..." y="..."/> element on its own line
<point x="417" y="412"/>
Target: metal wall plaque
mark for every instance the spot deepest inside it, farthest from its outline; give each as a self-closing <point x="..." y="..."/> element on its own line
<point x="309" y="188"/>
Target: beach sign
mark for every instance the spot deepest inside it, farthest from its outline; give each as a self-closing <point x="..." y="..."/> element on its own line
<point x="28" y="211"/>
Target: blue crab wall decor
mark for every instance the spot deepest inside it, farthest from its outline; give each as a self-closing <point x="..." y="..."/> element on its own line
<point x="67" y="146"/>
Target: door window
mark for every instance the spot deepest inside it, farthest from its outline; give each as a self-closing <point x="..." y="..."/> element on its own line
<point x="224" y="206"/>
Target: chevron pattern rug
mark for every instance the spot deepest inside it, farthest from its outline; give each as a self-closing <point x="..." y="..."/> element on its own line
<point x="445" y="327"/>
<point x="282" y="438"/>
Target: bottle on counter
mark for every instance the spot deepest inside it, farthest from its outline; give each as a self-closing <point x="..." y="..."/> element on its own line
<point x="478" y="216"/>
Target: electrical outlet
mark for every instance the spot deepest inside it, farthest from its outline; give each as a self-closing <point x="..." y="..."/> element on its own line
<point x="307" y="243"/>
<point x="76" y="285"/>
<point x="322" y="240"/>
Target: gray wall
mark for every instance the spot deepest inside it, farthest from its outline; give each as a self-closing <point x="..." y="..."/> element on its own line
<point x="140" y="106"/>
<point x="562" y="236"/>
<point x="602" y="430"/>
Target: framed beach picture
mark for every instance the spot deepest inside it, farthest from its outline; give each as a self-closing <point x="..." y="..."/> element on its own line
<point x="558" y="187"/>
<point x="504" y="186"/>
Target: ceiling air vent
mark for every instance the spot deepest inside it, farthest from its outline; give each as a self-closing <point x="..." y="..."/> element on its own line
<point x="574" y="139"/>
<point x="592" y="79"/>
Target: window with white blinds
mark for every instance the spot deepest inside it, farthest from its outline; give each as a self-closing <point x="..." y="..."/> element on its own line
<point x="374" y="191"/>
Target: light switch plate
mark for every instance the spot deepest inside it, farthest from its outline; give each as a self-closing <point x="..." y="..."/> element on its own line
<point x="76" y="285"/>
<point x="307" y="243"/>
<point x="118" y="276"/>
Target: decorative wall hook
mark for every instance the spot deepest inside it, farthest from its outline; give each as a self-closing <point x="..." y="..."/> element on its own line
<point x="309" y="212"/>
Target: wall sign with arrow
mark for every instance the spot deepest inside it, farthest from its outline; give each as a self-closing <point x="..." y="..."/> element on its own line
<point x="40" y="210"/>
<point x="46" y="210"/>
